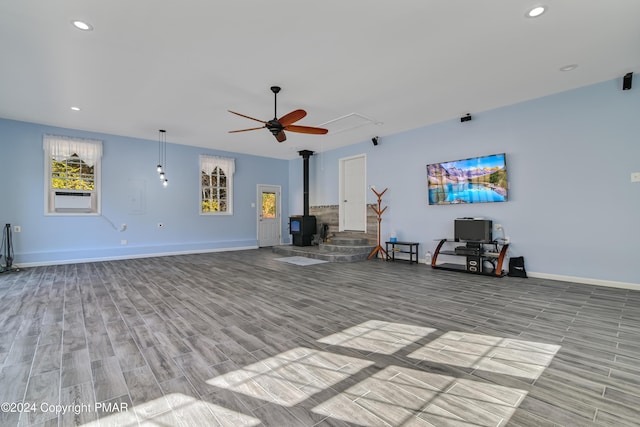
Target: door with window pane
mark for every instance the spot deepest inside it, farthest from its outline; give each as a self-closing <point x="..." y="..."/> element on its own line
<point x="269" y="221"/>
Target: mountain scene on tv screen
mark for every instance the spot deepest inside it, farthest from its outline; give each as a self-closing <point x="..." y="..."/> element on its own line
<point x="477" y="180"/>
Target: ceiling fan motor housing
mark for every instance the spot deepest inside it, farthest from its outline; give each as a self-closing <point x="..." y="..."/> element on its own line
<point x="274" y="126"/>
<point x="286" y="122"/>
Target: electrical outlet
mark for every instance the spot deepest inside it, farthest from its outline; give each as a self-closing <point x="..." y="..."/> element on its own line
<point x="17" y="229"/>
<point x="635" y="177"/>
<point x="123" y="242"/>
<point x="123" y="227"/>
<point x="506" y="240"/>
<point x="498" y="227"/>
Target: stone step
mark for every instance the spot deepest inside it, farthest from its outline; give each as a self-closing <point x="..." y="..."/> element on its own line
<point x="348" y="241"/>
<point x="314" y="252"/>
<point x="345" y="249"/>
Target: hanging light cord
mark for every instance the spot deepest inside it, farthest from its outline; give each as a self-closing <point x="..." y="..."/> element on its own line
<point x="164" y="148"/>
<point x="159" y="151"/>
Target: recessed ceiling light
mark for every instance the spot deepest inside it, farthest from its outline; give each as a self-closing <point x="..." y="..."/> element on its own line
<point x="75" y="108"/>
<point x="536" y="11"/>
<point x="569" y="67"/>
<point x="81" y="25"/>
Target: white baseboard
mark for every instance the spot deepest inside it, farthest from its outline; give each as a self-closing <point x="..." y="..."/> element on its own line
<point x="582" y="280"/>
<point x="131" y="256"/>
<point x="585" y="280"/>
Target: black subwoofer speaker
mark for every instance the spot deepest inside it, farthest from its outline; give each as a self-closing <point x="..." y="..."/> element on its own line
<point x="474" y="264"/>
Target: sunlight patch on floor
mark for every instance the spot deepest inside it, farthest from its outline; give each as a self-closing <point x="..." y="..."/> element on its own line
<point x="393" y="395"/>
<point x="184" y="410"/>
<point x="409" y="397"/>
<point x="291" y="377"/>
<point x="376" y="336"/>
<point x="518" y="358"/>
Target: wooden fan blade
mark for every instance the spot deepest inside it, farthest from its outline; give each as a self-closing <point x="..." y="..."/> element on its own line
<point x="306" y="129"/>
<point x="247" y="117"/>
<point x="281" y="137"/>
<point x="245" y="130"/>
<point x="292" y="117"/>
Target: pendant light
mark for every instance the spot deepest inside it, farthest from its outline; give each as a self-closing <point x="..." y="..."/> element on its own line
<point x="162" y="156"/>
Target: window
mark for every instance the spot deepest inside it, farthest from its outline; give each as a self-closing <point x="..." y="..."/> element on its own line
<point x="216" y="185"/>
<point x="268" y="204"/>
<point x="72" y="175"/>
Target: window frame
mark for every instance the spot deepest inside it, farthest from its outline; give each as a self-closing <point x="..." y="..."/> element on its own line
<point x="208" y="164"/>
<point x="50" y="192"/>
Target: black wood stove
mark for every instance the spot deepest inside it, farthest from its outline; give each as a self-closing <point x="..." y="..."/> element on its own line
<point x="303" y="227"/>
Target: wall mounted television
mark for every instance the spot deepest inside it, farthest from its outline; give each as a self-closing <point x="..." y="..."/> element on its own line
<point x="475" y="180"/>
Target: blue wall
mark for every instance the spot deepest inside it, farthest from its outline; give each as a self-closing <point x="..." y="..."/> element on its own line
<point x="127" y="163"/>
<point x="572" y="210"/>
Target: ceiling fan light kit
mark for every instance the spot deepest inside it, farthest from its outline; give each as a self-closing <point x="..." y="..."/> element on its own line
<point x="286" y="122"/>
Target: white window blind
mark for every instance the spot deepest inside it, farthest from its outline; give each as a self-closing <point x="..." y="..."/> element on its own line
<point x="209" y="163"/>
<point x="61" y="148"/>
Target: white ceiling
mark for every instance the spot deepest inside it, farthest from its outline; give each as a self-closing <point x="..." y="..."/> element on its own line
<point x="179" y="65"/>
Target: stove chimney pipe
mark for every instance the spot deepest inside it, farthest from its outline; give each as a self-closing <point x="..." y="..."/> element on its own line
<point x="305" y="183"/>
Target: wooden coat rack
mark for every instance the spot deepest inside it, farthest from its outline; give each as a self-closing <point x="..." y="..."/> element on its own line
<point x="379" y="213"/>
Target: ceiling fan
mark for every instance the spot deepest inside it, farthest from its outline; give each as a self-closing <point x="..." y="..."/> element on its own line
<point x="286" y="122"/>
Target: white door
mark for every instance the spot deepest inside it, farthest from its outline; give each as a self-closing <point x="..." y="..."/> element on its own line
<point x="353" y="194"/>
<point x="269" y="221"/>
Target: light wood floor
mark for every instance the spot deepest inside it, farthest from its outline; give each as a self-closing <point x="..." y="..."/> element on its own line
<point x="237" y="338"/>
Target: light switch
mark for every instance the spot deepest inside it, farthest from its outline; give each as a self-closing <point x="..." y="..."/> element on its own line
<point x="635" y="177"/>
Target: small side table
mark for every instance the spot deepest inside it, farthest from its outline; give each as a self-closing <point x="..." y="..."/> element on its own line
<point x="410" y="248"/>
